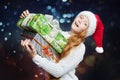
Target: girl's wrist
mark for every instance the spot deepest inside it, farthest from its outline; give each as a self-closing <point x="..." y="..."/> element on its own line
<point x="32" y="56"/>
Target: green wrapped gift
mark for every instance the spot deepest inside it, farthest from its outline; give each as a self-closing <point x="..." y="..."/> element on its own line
<point x="39" y="23"/>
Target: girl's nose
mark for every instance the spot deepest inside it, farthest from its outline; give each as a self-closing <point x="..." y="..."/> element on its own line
<point x="79" y="21"/>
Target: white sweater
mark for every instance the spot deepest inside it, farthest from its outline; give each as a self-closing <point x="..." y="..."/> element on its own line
<point x="65" y="68"/>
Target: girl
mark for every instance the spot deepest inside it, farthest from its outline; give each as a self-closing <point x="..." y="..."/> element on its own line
<point x="85" y="24"/>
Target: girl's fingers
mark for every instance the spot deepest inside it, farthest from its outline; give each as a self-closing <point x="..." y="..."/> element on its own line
<point x="24" y="14"/>
<point x="21" y="17"/>
<point x="22" y="42"/>
<point x="27" y="12"/>
<point x="29" y="47"/>
<point x="25" y="42"/>
<point x="33" y="48"/>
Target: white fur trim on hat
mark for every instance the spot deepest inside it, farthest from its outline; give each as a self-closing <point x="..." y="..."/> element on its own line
<point x="92" y="22"/>
<point x="99" y="49"/>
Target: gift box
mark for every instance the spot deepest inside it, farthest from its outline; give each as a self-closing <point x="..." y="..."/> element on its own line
<point x="40" y="24"/>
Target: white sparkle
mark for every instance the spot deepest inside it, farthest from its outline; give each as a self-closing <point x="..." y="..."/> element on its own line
<point x="14" y="51"/>
<point x="36" y="76"/>
<point x="49" y="7"/>
<point x="68" y="21"/>
<point x="9" y="33"/>
<point x="72" y="14"/>
<point x="2" y="30"/>
<point x="1" y="23"/>
<point x="5" y="7"/>
<point x="41" y="73"/>
<point x="69" y="15"/>
<point x="57" y="17"/>
<point x="5" y="38"/>
<point x="15" y="12"/>
<point x="8" y="24"/>
<point x="64" y="0"/>
<point x="62" y="20"/>
<point x="64" y="15"/>
<point x="53" y="10"/>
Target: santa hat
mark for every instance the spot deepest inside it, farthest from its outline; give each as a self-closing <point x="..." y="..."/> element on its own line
<point x="95" y="28"/>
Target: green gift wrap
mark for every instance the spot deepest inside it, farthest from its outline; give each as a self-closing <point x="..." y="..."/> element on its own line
<point x="40" y="24"/>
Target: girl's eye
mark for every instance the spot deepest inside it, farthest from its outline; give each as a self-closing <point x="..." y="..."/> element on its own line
<point x="81" y="17"/>
<point x="85" y="24"/>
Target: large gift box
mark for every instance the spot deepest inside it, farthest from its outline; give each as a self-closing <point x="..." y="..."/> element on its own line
<point x="40" y="24"/>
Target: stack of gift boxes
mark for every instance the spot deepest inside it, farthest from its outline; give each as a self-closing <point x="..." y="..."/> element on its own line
<point x="39" y="23"/>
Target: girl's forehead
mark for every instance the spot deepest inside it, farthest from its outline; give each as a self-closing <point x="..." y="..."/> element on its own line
<point x="85" y="17"/>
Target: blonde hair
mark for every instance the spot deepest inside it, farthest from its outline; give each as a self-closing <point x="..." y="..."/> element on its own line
<point x="73" y="41"/>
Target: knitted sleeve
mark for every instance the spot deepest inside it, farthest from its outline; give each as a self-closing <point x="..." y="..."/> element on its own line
<point x="63" y="66"/>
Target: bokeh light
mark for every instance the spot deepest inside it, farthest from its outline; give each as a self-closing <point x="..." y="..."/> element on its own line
<point x="90" y="60"/>
<point x="16" y="65"/>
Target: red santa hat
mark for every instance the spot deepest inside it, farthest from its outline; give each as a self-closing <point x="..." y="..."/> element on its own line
<point x="95" y="28"/>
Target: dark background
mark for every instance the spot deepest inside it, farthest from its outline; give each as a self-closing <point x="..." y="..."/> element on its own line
<point x="16" y="65"/>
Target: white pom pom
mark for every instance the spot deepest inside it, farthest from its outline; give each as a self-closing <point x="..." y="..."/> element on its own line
<point x="99" y="49"/>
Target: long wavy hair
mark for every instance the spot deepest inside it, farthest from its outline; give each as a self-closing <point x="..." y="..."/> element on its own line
<point x="73" y="41"/>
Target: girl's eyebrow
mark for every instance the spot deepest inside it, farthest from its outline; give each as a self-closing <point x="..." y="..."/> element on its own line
<point x="81" y="16"/>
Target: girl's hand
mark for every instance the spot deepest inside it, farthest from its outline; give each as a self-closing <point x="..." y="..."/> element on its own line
<point x="29" y="48"/>
<point x="24" y="14"/>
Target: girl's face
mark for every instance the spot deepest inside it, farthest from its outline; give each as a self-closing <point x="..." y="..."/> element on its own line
<point x="79" y="24"/>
